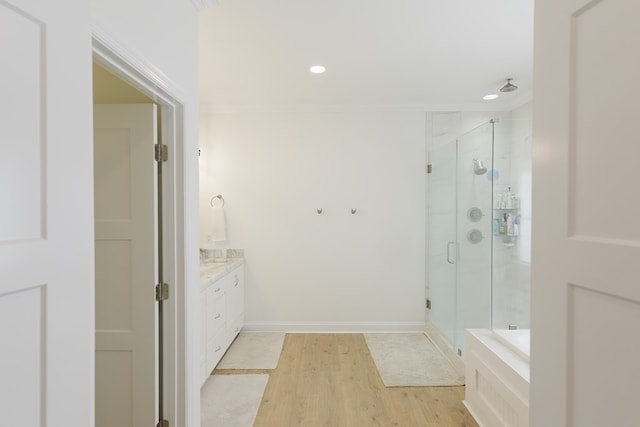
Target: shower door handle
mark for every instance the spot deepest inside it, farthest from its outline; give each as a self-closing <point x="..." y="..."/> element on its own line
<point x="449" y="244"/>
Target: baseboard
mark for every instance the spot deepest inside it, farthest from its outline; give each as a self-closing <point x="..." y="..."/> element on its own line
<point x="474" y="414"/>
<point x="334" y="327"/>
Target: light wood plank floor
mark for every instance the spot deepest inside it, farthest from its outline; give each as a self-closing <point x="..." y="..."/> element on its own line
<point x="331" y="380"/>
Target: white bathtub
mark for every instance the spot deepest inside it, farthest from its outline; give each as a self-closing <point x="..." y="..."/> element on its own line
<point x="497" y="377"/>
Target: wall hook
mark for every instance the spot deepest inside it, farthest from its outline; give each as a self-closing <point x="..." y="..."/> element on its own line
<point x="319" y="210"/>
<point x="353" y="211"/>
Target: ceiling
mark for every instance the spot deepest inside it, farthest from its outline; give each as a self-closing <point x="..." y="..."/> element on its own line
<point x="427" y="54"/>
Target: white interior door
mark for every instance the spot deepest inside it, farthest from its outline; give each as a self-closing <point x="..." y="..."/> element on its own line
<point x="125" y="227"/>
<point x="46" y="285"/>
<point x="586" y="219"/>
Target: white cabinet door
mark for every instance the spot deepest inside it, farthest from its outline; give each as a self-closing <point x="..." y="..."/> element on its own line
<point x="204" y="371"/>
<point x="585" y="291"/>
<point x="222" y="317"/>
<point x="125" y="228"/>
<point x="46" y="225"/>
<point x="216" y="317"/>
<point x="235" y="294"/>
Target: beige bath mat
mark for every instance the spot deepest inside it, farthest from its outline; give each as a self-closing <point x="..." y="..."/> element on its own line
<point x="231" y="400"/>
<point x="405" y="360"/>
<point x="253" y="350"/>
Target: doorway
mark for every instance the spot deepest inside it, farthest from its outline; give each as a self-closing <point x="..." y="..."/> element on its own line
<point x="160" y="298"/>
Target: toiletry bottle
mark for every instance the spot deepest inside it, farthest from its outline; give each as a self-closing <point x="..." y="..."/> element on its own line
<point x="509" y="225"/>
<point x="503" y="225"/>
<point x="507" y="197"/>
<point x="496" y="226"/>
<point x="516" y="226"/>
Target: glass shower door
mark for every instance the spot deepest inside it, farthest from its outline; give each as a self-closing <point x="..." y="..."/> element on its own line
<point x="460" y="234"/>
<point x="474" y="192"/>
<point x="441" y="241"/>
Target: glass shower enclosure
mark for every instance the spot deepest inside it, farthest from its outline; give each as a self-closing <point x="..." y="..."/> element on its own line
<point x="461" y="225"/>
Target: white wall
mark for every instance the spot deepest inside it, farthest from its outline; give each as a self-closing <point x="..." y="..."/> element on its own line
<point x="331" y="271"/>
<point x="161" y="38"/>
<point x="162" y="34"/>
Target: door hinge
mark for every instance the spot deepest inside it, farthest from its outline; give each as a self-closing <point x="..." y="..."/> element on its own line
<point x="162" y="291"/>
<point x="429" y="168"/>
<point x="428" y="304"/>
<point x="163" y="423"/>
<point x="161" y="152"/>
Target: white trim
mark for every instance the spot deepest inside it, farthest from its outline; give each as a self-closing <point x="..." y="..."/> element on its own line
<point x="203" y="4"/>
<point x="334" y="327"/>
<point x="180" y="375"/>
<point x="137" y="70"/>
<point x="359" y="108"/>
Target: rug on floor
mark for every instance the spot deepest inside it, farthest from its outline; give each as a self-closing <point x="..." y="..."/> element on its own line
<point x="411" y="360"/>
<point x="231" y="400"/>
<point x="253" y="350"/>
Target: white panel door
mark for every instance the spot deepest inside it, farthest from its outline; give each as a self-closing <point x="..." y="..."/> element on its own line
<point x="46" y="281"/>
<point x="586" y="218"/>
<point x="125" y="205"/>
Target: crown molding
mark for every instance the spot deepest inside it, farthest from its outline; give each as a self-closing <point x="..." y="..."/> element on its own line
<point x="203" y="4"/>
<point x="353" y="108"/>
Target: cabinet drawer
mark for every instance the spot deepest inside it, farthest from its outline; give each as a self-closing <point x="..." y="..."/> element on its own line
<point x="216" y="314"/>
<point x="214" y="292"/>
<point x="234" y="327"/>
<point x="215" y="349"/>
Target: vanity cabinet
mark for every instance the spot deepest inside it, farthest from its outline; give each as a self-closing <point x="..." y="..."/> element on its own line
<point x="234" y="303"/>
<point x="222" y="317"/>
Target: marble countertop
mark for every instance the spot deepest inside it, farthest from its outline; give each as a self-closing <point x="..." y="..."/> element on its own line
<point x="212" y="271"/>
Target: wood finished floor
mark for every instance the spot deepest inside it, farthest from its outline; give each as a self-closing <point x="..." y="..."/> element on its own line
<point x="331" y="380"/>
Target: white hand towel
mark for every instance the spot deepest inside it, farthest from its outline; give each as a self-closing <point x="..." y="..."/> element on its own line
<point x="219" y="229"/>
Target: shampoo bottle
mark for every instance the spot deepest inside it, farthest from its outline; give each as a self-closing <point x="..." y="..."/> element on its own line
<point x="503" y="225"/>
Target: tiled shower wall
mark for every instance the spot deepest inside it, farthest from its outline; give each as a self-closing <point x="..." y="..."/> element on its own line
<point x="512" y="264"/>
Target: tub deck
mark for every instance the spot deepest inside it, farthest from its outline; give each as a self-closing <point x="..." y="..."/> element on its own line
<point x="497" y="377"/>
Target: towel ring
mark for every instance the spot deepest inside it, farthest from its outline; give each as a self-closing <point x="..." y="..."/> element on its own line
<point x="219" y="196"/>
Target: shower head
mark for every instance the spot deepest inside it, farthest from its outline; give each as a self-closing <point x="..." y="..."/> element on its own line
<point x="508" y="87"/>
<point x="478" y="167"/>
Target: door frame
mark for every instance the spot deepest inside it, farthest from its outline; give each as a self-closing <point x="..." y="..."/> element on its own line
<point x="139" y="74"/>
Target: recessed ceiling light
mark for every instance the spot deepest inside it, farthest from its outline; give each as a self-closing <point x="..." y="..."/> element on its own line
<point x="490" y="97"/>
<point x="317" y="69"/>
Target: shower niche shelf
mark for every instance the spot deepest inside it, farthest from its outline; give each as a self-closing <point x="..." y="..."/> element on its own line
<point x="506" y="224"/>
<point x="509" y="241"/>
